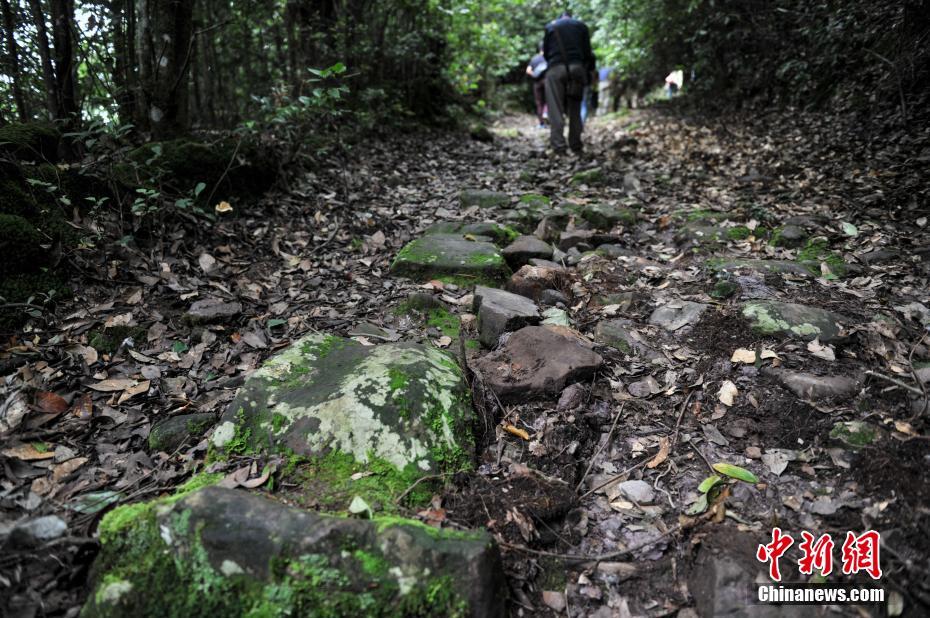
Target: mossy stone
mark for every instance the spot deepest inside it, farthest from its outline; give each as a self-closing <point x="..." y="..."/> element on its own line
<point x="30" y="141"/>
<point x="606" y="216"/>
<point x="223" y="552"/>
<point x="591" y="176"/>
<point x="436" y="255"/>
<point x="483" y="198"/>
<point x="400" y="408"/>
<point x="770" y="317"/>
<point x="856" y="434"/>
<point x="169" y="434"/>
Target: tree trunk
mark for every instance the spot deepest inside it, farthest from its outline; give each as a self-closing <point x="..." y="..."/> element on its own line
<point x="12" y="59"/>
<point x="122" y="14"/>
<point x="165" y="36"/>
<point x="45" y="55"/>
<point x="65" y="82"/>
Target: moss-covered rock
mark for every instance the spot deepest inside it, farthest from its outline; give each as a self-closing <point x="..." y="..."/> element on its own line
<point x="817" y="251"/>
<point x="500" y="234"/>
<point x="770" y="317"/>
<point x="483" y="198"/>
<point x="398" y="409"/>
<point x="593" y="176"/>
<point x="16" y="200"/>
<point x="182" y="163"/>
<point x="169" y="434"/>
<point x="20" y="246"/>
<point x="856" y="434"/>
<point x="437" y="255"/>
<point x="534" y="200"/>
<point x="774" y="266"/>
<point x="30" y="141"/>
<point x="222" y="552"/>
<point x="606" y="216"/>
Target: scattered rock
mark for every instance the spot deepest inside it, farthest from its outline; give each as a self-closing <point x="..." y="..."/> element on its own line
<point x="500" y="312"/>
<point x="638" y="491"/>
<point x="592" y="176"/>
<point x="774" y="266"/>
<point x="605" y="216"/>
<point x="816" y="388"/>
<point x="677" y="314"/>
<point x="771" y="317"/>
<point x="482" y="198"/>
<point x="169" y="434"/>
<point x="402" y="406"/>
<point x="524" y="248"/>
<point x="619" y="334"/>
<point x="537" y="362"/>
<point x="246" y="545"/>
<point x="36" y="532"/>
<point x="531" y="281"/>
<point x="211" y="311"/>
<point x="574" y="238"/>
<point x="437" y="255"/>
<point x="546" y="264"/>
<point x="553" y="297"/>
<point x="572" y="397"/>
<point x="791" y="236"/>
<point x="423" y="301"/>
<point x="486" y="229"/>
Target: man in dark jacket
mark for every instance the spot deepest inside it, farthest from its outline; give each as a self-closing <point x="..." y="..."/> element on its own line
<point x="567" y="48"/>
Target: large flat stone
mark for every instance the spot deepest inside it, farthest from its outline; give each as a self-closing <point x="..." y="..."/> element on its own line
<point x="772" y="317"/>
<point x="538" y="362"/>
<point x="225" y="552"/>
<point x="437" y="255"/>
<point x="677" y="314"/>
<point x="775" y="266"/>
<point x="489" y="229"/>
<point x="606" y="216"/>
<point x="403" y="405"/>
<point x="525" y="248"/>
<point x="212" y="310"/>
<point x="500" y="312"/>
<point x="816" y="388"/>
<point x="619" y="334"/>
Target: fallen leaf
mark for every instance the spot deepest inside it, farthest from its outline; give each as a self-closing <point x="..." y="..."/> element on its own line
<point x="736" y="472"/>
<point x="64" y="469"/>
<point x="132" y="391"/>
<point x="83" y="408"/>
<point x="727" y="392"/>
<point x="223" y="207"/>
<point x="29" y="452"/>
<point x="444" y="341"/>
<point x="112" y="385"/>
<point x="742" y="355"/>
<point x="662" y="455"/>
<point x="207" y="263"/>
<point x="50" y="403"/>
<point x="821" y="351"/>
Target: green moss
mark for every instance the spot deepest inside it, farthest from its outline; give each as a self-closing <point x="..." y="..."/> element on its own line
<point x="31" y="141"/>
<point x="241" y="442"/>
<point x="724" y="289"/>
<point x="534" y="200"/>
<point x="702" y="214"/>
<point x="448" y="323"/>
<point x="15" y="200"/>
<point x="472" y="344"/>
<point x="739" y="232"/>
<point x="588" y="177"/>
<point x="854" y="433"/>
<point x="815" y="252"/>
<point x="506" y="233"/>
<point x="384" y="522"/>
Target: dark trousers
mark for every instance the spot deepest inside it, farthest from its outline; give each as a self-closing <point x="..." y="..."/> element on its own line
<point x="560" y="105"/>
<point x="539" y="93"/>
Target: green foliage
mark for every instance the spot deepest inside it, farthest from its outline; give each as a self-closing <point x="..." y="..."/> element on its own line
<point x="30" y="141"/>
<point x="20" y="246"/>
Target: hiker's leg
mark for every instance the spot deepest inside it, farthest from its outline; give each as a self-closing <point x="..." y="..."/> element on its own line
<point x="539" y="93"/>
<point x="555" y="97"/>
<point x="574" y="113"/>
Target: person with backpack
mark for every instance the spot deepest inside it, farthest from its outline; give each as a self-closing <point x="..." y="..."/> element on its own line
<point x="536" y="69"/>
<point x="567" y="50"/>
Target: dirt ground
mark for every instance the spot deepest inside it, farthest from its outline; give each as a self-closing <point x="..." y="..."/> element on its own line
<point x="316" y="257"/>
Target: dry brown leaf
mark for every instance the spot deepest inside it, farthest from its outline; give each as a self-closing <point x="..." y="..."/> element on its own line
<point x="132" y="391"/>
<point x="64" y="469"/>
<point x="662" y="455"/>
<point x="28" y="452"/>
<point x="111" y="385"/>
<point x="223" y="207"/>
<point x="50" y="403"/>
<point x="742" y="355"/>
<point x="83" y="408"/>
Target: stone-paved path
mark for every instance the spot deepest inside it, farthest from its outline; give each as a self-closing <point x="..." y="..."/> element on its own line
<point x="555" y="357"/>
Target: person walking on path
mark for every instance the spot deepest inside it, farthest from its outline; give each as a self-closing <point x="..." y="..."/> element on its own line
<point x="536" y="69"/>
<point x="567" y="49"/>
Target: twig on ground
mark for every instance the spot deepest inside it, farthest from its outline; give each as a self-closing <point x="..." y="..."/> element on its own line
<point x="406" y="492"/>
<point x="601" y="448"/>
<point x="614" y="478"/>
<point x="894" y="381"/>
<point x="707" y="461"/>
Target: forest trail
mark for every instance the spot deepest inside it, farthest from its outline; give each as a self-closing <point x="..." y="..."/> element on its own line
<point x="746" y="297"/>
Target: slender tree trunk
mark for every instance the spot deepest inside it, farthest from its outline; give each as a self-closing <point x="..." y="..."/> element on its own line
<point x="165" y="32"/>
<point x="45" y="55"/>
<point x="65" y="82"/>
<point x="12" y="59"/>
<point x="122" y="15"/>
